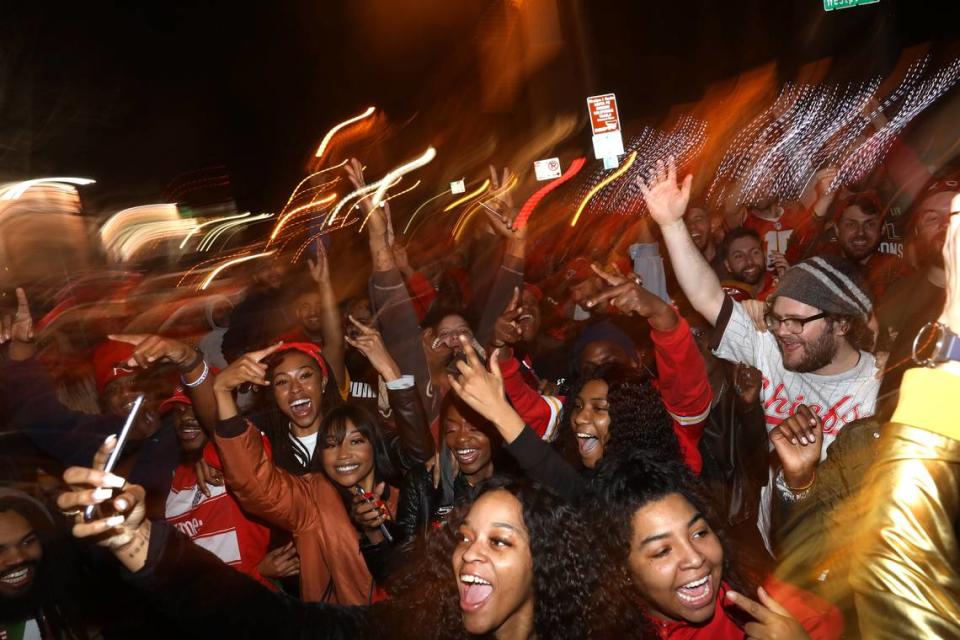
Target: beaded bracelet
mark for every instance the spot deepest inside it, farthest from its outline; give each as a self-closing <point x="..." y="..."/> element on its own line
<point x="199" y="381"/>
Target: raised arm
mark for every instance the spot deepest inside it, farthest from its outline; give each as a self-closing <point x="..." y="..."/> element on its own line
<point x="414" y="441"/>
<point x="681" y="371"/>
<point x="184" y="580"/>
<point x="667" y="203"/>
<point x="509" y="276"/>
<point x="332" y="327"/>
<point x="482" y="389"/>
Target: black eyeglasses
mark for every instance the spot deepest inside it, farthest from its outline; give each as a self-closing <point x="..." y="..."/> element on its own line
<point x="792" y="325"/>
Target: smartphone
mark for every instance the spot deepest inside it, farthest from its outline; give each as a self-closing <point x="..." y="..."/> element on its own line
<point x="92" y="512"/>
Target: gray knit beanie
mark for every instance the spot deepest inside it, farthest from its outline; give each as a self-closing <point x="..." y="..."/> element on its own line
<point x="830" y="283"/>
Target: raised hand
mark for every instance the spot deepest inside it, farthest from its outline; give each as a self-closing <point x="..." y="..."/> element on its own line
<point x="772" y="620"/>
<point x="127" y="531"/>
<point x="498" y="182"/>
<point x="319" y="268"/>
<point x="757" y="311"/>
<point x="747" y="382"/>
<point x="506" y="330"/>
<point x="18" y="326"/>
<point x="823" y="179"/>
<point x="152" y="349"/>
<point x="780" y="263"/>
<point x="248" y="368"/>
<point x="665" y="200"/>
<point x="370" y="343"/>
<point x="798" y="441"/>
<point x="627" y="295"/>
<point x="355" y="173"/>
<point x="281" y="562"/>
<point x="482" y="389"/>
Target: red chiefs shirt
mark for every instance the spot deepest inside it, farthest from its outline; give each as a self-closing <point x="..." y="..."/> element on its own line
<point x="216" y="523"/>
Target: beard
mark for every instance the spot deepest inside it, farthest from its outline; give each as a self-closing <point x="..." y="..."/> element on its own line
<point x="816" y="354"/>
<point x="750" y="275"/>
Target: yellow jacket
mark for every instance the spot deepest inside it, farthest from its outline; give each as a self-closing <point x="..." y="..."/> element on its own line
<point x="906" y="565"/>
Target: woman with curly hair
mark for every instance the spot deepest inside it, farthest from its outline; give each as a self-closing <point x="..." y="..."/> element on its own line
<point x="615" y="405"/>
<point x="667" y="557"/>
<point x="515" y="564"/>
<point x="615" y="410"/>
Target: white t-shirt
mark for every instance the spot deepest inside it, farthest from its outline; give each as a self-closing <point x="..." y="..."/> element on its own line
<point x="837" y="399"/>
<point x="309" y="442"/>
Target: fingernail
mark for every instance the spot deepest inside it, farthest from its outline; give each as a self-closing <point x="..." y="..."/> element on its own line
<point x="803" y="440"/>
<point x="110" y="438"/>
<point x="793" y="441"/>
<point x="115" y="521"/>
<point x="120" y="504"/>
<point x="113" y="481"/>
<point x="102" y="494"/>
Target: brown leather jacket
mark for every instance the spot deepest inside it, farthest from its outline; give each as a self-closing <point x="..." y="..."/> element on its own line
<point x="332" y="569"/>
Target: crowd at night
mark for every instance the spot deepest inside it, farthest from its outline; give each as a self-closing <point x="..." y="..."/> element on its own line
<point x="530" y="345"/>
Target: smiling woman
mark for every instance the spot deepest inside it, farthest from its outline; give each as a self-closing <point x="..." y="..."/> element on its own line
<point x="354" y="456"/>
<point x="668" y="558"/>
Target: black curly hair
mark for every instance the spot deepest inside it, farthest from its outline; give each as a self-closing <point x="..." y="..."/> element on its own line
<point x="572" y="599"/>
<point x="638" y="419"/>
<point x="627" y="483"/>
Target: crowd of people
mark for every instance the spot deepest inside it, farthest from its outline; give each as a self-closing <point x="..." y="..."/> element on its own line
<point x="734" y="422"/>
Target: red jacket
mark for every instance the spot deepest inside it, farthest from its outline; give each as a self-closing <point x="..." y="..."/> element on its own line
<point x="682" y="381"/>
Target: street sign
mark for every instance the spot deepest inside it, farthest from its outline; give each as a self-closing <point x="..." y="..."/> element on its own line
<point x="605" y="123"/>
<point x="830" y="5"/>
<point x="603" y="113"/>
<point x="547" y="169"/>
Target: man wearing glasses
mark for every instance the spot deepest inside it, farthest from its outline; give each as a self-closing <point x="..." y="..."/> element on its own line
<point x="815" y="350"/>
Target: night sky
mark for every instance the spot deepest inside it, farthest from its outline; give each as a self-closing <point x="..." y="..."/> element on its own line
<point x="135" y="93"/>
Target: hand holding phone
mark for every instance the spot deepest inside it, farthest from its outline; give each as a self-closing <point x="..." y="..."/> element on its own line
<point x="94" y="512"/>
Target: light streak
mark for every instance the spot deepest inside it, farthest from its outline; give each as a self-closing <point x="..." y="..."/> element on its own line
<point x="17" y="189"/>
<point x="469" y="196"/>
<point x="387" y="180"/>
<point x="326" y="139"/>
<point x="283" y="219"/>
<point x="211" y="236"/>
<point x="425" y="203"/>
<point x="600" y="185"/>
<point x="209" y="222"/>
<point x="126" y="219"/>
<point x="293" y="194"/>
<point x="229" y="263"/>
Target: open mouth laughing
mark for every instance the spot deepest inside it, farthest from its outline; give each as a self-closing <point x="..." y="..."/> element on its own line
<point x="696" y="593"/>
<point x="587" y="443"/>
<point x="475" y="591"/>
<point x="301" y="407"/>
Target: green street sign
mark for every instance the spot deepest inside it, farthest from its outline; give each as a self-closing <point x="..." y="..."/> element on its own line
<point x="830" y="5"/>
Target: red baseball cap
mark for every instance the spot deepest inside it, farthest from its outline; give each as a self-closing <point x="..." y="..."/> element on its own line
<point x="110" y="362"/>
<point x="178" y="397"/>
